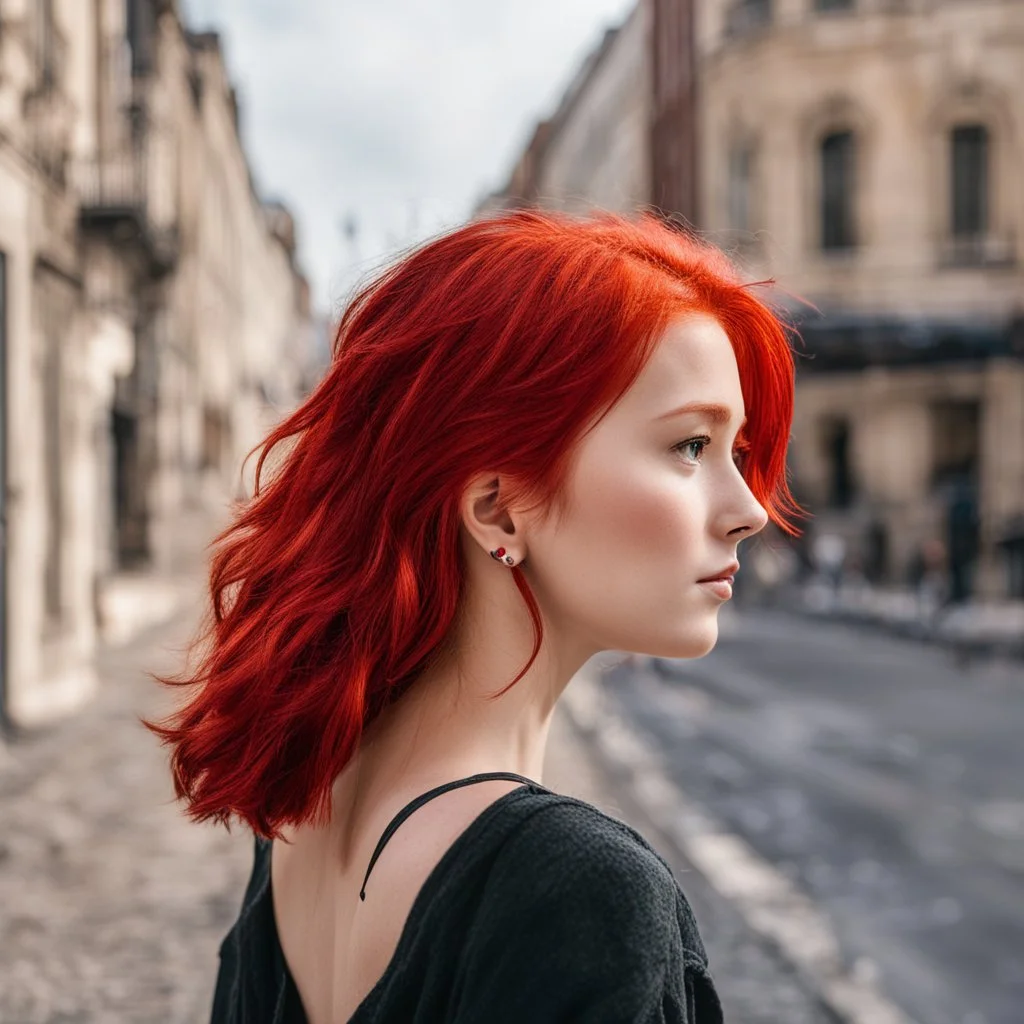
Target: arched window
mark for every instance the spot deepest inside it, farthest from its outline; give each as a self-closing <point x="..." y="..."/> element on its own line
<point x="740" y="186"/>
<point x="969" y="162"/>
<point x="837" y="158"/>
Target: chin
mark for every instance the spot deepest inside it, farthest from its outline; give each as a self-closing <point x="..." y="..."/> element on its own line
<point x="693" y="643"/>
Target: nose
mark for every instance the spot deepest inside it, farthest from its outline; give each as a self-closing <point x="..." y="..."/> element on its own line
<point x="746" y="516"/>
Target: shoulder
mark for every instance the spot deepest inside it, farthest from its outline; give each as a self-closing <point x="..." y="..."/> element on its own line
<point x="562" y="832"/>
<point x="582" y="905"/>
<point x="569" y="857"/>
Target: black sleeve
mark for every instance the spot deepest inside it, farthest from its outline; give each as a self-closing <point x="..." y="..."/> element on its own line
<point x="576" y="923"/>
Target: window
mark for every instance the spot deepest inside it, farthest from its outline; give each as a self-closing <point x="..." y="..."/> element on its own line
<point x="969" y="156"/>
<point x="46" y="53"/>
<point x="746" y="16"/>
<point x="837" y="156"/>
<point x="215" y="437"/>
<point x="740" y="186"/>
<point x="835" y="439"/>
<point x="956" y="440"/>
<point x="140" y="26"/>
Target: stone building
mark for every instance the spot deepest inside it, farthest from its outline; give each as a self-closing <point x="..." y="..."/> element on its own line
<point x="593" y="151"/>
<point x="674" y="81"/>
<point x="867" y="155"/>
<point x="59" y="358"/>
<point x="141" y="354"/>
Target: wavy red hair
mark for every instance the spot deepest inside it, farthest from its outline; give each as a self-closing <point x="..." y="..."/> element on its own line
<point x="492" y="348"/>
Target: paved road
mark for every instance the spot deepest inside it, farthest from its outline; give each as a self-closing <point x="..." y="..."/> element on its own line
<point x="883" y="778"/>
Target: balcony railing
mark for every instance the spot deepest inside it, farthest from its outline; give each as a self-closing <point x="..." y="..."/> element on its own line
<point x="112" y="186"/>
<point x="115" y="191"/>
<point x="989" y="250"/>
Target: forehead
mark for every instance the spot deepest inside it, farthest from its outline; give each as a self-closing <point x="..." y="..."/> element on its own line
<point x="693" y="361"/>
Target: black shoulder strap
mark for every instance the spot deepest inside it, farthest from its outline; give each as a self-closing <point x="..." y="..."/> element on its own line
<point x="415" y="805"/>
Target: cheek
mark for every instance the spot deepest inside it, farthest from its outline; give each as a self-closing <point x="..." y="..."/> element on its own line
<point x="622" y="566"/>
<point x="648" y="516"/>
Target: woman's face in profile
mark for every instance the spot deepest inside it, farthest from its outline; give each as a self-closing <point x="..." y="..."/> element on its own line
<point x="657" y="503"/>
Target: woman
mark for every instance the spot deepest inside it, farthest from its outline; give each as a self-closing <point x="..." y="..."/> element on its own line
<point x="539" y="438"/>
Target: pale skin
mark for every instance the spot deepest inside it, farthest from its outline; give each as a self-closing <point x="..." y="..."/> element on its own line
<point x="620" y="572"/>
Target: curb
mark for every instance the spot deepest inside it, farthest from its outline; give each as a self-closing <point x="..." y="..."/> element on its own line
<point x="992" y="644"/>
<point x="1006" y="647"/>
<point x="768" y="901"/>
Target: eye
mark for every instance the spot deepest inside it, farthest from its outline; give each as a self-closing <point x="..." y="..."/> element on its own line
<point x="695" y="446"/>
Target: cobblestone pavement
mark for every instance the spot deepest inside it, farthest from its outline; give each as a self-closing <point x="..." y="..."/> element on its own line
<point x="112" y="904"/>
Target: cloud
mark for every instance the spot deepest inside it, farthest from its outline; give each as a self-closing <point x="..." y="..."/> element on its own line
<point x="402" y="112"/>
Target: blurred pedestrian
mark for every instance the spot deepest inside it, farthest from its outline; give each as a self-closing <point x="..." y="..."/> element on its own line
<point x="528" y="450"/>
<point x="928" y="579"/>
<point x="962" y="527"/>
<point x="876" y="552"/>
<point x="830" y="558"/>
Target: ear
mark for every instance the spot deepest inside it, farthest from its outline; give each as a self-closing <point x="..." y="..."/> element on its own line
<point x="487" y="520"/>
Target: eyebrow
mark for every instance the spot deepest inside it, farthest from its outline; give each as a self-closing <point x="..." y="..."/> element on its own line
<point x="719" y="415"/>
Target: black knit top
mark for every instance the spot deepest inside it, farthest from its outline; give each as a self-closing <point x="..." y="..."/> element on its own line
<point x="544" y="909"/>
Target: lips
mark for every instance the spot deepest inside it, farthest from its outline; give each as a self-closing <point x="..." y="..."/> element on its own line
<point x="727" y="575"/>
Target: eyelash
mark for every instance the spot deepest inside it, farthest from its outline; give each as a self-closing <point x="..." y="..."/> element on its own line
<point x="739" y="452"/>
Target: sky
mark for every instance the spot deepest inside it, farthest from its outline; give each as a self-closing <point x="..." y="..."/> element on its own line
<point x="396" y="115"/>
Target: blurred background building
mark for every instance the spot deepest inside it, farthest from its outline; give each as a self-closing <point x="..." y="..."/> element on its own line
<point x="866" y="154"/>
<point x="593" y="151"/>
<point x="153" y="317"/>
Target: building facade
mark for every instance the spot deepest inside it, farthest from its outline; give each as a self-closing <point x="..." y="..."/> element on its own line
<point x="674" y="83"/>
<point x="867" y="155"/>
<point x="140" y="354"/>
<point x="593" y="151"/>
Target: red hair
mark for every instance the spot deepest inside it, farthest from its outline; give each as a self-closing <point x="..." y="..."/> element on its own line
<point x="493" y="348"/>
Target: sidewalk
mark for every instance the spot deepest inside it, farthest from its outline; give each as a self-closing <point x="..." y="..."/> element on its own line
<point x="112" y="905"/>
<point x="976" y="627"/>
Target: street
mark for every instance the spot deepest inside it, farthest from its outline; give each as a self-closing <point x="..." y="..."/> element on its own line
<point x="882" y="780"/>
<point x="348" y="275"/>
<point x="885" y="781"/>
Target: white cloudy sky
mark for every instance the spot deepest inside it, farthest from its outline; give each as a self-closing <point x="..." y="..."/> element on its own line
<point x="400" y="112"/>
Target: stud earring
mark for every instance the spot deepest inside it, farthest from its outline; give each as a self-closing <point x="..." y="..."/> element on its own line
<point x="502" y="557"/>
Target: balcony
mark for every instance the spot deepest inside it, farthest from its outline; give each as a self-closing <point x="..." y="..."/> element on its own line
<point x="111" y="188"/>
<point x="113" y="193"/>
